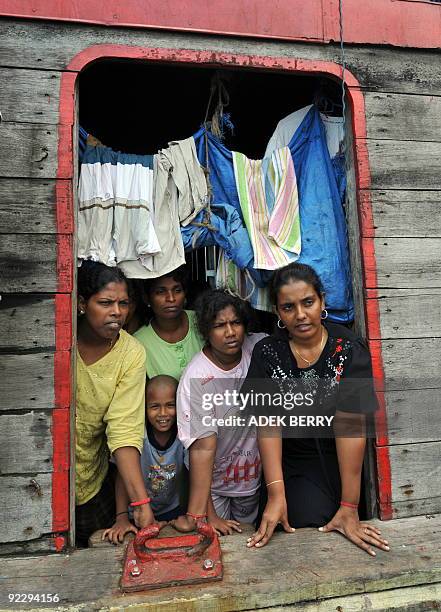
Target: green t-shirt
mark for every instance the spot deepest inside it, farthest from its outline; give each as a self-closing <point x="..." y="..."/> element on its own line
<point x="169" y="358"/>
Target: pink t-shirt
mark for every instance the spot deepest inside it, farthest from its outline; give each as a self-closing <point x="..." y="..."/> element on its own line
<point x="237" y="467"/>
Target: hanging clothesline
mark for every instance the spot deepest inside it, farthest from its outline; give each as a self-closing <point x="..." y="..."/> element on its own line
<point x="183" y="196"/>
<point x="321" y="185"/>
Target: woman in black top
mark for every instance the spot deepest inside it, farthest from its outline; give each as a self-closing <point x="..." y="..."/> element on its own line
<point x="314" y="482"/>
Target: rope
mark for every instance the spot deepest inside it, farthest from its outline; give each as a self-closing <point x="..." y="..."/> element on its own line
<point x="216" y="84"/>
<point x="245" y="298"/>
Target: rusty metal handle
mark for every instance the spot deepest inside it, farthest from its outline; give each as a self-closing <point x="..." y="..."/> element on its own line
<point x="146" y="553"/>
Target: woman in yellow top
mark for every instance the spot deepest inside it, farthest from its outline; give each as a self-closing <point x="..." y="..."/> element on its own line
<point x="109" y="402"/>
<point x="171" y="339"/>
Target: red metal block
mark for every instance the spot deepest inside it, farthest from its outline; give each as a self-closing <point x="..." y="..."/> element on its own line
<point x="153" y="563"/>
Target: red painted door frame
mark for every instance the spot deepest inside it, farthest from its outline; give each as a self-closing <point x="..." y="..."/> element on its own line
<point x="65" y="219"/>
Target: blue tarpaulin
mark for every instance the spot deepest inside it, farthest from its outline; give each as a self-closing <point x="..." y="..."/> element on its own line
<point x="228" y="232"/>
<point x="321" y="186"/>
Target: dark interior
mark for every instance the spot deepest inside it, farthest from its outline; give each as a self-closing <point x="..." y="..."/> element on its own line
<point x="138" y="107"/>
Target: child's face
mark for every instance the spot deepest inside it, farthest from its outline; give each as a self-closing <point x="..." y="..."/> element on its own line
<point x="161" y="407"/>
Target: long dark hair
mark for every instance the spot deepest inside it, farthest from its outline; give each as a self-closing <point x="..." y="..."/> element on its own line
<point x="295" y="272"/>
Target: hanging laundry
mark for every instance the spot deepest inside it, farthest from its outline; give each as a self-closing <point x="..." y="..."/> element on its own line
<point x="220" y="165"/>
<point x="287" y="127"/>
<point x="240" y="282"/>
<point x="82" y="142"/>
<point x="322" y="218"/>
<point x="223" y="183"/>
<point x="269" y="202"/>
<point x="85" y="139"/>
<point x="189" y="177"/>
<point x="115" y="222"/>
<point x="180" y="194"/>
<point x="223" y="227"/>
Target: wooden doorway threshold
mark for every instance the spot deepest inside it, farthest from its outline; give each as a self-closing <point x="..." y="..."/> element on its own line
<point x="306" y="571"/>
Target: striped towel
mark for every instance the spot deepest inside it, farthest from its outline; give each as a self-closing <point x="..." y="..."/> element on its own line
<point x="270" y="206"/>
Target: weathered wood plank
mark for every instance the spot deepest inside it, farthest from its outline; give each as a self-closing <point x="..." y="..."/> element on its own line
<point x="28" y="263"/>
<point x="352" y="218"/>
<point x="290" y="570"/>
<point x="353" y="223"/>
<point x="409" y="164"/>
<point x="29" y="206"/>
<point x="27" y="382"/>
<point x="41" y="545"/>
<point x="411" y="363"/>
<point x="50" y="46"/>
<point x="407" y="263"/>
<point x="26" y="507"/>
<point x="403" y="117"/>
<point x="413" y="416"/>
<point x="32" y="263"/>
<point x="416" y="473"/>
<point x="414" y="599"/>
<point x="416" y="507"/>
<point x="408" y="313"/>
<point x="28" y="150"/>
<point x="29" y="96"/>
<point x="26" y="445"/>
<point x="27" y="322"/>
<point x="401" y="213"/>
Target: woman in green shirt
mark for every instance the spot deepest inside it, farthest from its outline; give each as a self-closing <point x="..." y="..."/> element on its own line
<point x="171" y="339"/>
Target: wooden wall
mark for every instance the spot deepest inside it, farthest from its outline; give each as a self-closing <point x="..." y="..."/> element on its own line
<point x="36" y="281"/>
<point x="402" y="90"/>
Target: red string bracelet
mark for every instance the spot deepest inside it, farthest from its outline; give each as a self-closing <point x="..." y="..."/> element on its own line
<point x="147" y="500"/>
<point x="196" y="516"/>
<point x="348" y="505"/>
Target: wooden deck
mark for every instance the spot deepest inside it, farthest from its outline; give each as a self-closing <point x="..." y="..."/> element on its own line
<point x="306" y="571"/>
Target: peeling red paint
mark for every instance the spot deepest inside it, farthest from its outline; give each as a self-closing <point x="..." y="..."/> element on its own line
<point x="60" y="427"/>
<point x="60" y="543"/>
<point x="382" y="22"/>
<point x="63" y="329"/>
<point x="60" y="477"/>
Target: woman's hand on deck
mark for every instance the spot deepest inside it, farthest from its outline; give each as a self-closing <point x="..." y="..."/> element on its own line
<point x="365" y="536"/>
<point x="116" y="533"/>
<point x="143" y="516"/>
<point x="275" y="512"/>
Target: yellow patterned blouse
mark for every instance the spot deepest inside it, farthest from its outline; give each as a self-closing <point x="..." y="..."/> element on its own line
<point x="110" y="411"/>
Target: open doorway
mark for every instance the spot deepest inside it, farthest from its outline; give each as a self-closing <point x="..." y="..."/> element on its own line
<point x="138" y="107"/>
